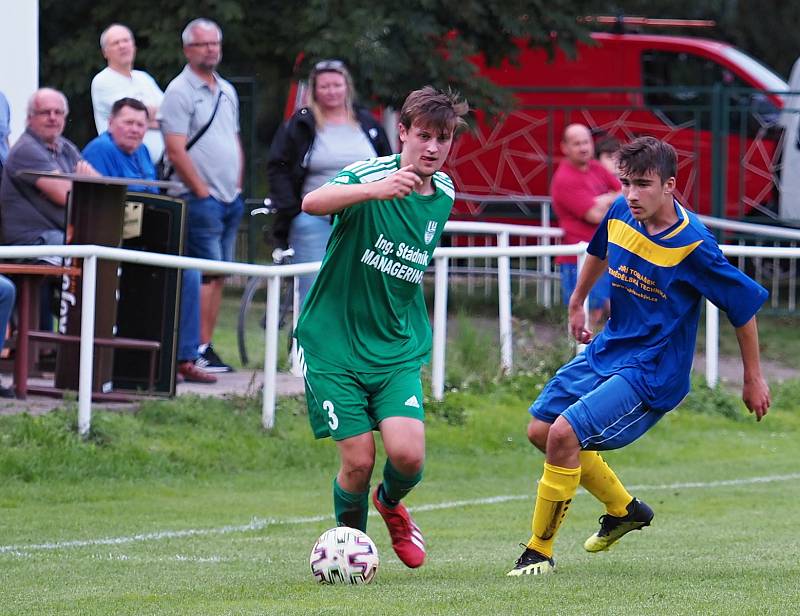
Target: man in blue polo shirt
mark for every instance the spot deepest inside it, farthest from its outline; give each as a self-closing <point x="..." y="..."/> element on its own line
<point x="119" y="152"/>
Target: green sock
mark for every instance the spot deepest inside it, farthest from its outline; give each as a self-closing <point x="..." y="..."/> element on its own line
<point x="351" y="509"/>
<point x="396" y="485"/>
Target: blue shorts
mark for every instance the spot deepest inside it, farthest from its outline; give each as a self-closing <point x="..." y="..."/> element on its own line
<point x="605" y="412"/>
<point x="598" y="296"/>
<point x="211" y="227"/>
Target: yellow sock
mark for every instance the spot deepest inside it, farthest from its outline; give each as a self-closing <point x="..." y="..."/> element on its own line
<point x="600" y="481"/>
<point x="556" y="489"/>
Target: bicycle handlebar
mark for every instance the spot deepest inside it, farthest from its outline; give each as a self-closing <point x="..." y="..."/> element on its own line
<point x="279" y="254"/>
<point x="267" y="209"/>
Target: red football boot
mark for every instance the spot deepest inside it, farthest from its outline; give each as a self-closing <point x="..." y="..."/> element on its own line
<point x="407" y="539"/>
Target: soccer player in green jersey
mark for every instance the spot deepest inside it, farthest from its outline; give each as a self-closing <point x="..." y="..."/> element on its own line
<point x="363" y="332"/>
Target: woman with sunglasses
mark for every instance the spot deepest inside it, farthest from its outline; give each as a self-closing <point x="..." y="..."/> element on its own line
<point x="309" y="149"/>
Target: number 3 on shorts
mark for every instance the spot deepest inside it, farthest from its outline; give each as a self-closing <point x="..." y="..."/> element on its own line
<point x="333" y="420"/>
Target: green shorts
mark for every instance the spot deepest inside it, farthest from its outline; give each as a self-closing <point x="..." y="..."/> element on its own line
<point x="343" y="403"/>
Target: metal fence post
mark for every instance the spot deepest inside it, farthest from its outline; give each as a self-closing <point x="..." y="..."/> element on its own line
<point x="712" y="344"/>
<point x="89" y="287"/>
<point x="271" y="351"/>
<point x="504" y="304"/>
<point x="439" y="327"/>
<point x="579" y="347"/>
<point x="547" y="264"/>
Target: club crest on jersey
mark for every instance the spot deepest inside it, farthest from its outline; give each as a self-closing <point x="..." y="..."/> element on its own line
<point x="430" y="231"/>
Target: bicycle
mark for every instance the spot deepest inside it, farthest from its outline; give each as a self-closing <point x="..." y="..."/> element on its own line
<point x="253" y="305"/>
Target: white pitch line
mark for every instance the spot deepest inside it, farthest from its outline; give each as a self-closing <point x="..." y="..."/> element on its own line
<point x="261" y="523"/>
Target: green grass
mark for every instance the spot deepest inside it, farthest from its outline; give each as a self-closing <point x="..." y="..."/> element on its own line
<point x="252" y="501"/>
<point x="775" y="334"/>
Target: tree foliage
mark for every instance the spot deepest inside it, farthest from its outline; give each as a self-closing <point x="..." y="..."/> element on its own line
<point x="392" y="48"/>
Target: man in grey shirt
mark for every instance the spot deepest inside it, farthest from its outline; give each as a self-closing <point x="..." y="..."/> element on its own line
<point x="198" y="99"/>
<point x="33" y="207"/>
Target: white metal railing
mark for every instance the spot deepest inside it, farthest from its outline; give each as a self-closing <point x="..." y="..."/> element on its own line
<point x="503" y="252"/>
<point x="91" y="253"/>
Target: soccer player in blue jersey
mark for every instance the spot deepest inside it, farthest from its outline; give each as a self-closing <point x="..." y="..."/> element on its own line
<point x="662" y="262"/>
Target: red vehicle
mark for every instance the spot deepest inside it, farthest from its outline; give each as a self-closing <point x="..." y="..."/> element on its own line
<point x="719" y="107"/>
<point x="682" y="89"/>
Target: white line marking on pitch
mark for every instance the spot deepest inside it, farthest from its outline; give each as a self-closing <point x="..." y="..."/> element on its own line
<point x="261" y="523"/>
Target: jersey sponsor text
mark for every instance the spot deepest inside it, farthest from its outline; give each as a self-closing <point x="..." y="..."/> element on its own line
<point x="392" y="267"/>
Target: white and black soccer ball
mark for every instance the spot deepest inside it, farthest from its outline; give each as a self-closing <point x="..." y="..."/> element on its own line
<point x="344" y="555"/>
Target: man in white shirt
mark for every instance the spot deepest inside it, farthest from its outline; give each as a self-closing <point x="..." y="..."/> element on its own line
<point x="120" y="80"/>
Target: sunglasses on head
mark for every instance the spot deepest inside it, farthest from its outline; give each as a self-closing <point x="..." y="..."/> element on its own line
<point x="328" y="65"/>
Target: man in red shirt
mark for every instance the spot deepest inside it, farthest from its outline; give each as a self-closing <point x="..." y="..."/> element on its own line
<point x="582" y="191"/>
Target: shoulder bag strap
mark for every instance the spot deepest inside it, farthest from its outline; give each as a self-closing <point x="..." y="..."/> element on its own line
<point x="202" y="131"/>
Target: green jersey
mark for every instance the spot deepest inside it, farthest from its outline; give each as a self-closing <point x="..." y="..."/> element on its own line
<point x="366" y="311"/>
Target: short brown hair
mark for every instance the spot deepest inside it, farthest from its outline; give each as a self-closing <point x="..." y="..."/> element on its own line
<point x="439" y="110"/>
<point x="607" y="144"/>
<point x="133" y="103"/>
<point x="645" y="154"/>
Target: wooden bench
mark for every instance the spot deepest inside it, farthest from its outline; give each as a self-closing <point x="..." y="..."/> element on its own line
<point x="151" y="346"/>
<point x="29" y="277"/>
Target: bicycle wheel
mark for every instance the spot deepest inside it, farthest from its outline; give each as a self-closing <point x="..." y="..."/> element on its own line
<point x="250" y="327"/>
<point x="250" y="332"/>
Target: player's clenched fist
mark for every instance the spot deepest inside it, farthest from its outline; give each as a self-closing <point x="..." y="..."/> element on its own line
<point x="399" y="184"/>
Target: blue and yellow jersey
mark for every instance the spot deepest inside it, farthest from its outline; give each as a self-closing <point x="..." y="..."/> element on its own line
<point x="657" y="284"/>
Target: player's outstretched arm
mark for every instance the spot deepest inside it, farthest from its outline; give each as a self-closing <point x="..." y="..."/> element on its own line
<point x="592" y="269"/>
<point x="755" y="391"/>
<point x="332" y="198"/>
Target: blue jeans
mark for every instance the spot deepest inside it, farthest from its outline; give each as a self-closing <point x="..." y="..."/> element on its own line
<point x="189" y="323"/>
<point x="8" y="294"/>
<point x="598" y="296"/>
<point x="308" y="235"/>
<point x="211" y="227"/>
<point x="49" y="237"/>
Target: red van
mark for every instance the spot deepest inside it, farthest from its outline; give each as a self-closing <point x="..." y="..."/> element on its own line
<point x="685" y="90"/>
<point x="719" y="107"/>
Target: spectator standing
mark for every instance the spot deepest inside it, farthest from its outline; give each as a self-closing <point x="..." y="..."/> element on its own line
<point x="582" y="191"/>
<point x="606" y="149"/>
<point x="120" y="151"/>
<point x="5" y="129"/>
<point x="7" y="290"/>
<point x="119" y="80"/>
<point x="309" y="149"/>
<point x="199" y="118"/>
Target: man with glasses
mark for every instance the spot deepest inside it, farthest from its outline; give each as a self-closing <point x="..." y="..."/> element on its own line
<point x="33" y="207"/>
<point x="199" y="119"/>
<point x="120" y="80"/>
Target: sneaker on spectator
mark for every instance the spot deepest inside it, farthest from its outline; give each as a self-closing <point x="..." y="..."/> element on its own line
<point x="190" y="373"/>
<point x="209" y="361"/>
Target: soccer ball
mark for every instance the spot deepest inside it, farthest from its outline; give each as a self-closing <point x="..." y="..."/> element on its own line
<point x="344" y="555"/>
